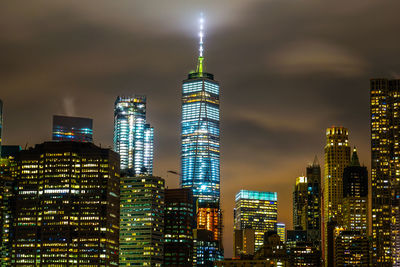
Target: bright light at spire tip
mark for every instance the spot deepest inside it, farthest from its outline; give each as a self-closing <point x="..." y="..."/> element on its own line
<point x="201" y="34"/>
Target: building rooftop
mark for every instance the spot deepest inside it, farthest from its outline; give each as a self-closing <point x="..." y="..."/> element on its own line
<point x="246" y="194"/>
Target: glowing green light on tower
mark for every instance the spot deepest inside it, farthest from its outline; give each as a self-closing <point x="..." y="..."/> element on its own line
<point x="201" y="49"/>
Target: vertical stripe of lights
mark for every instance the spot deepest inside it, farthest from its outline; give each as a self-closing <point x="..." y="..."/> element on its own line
<point x="133" y="138"/>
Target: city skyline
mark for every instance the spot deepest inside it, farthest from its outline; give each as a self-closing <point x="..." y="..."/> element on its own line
<point x="262" y="138"/>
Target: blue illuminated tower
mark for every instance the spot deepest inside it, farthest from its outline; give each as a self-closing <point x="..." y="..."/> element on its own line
<point x="133" y="137"/>
<point x="200" y="157"/>
<point x="200" y="136"/>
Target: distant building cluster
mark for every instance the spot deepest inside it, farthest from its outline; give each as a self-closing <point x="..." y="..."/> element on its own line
<point x="69" y="202"/>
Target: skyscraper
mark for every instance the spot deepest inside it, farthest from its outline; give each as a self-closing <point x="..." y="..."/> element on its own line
<point x="178" y="227"/>
<point x="337" y="157"/>
<point x="300" y="199"/>
<point x="307" y="203"/>
<point x="6" y="206"/>
<point x="77" y="129"/>
<point x="355" y="196"/>
<point x="385" y="171"/>
<point x="314" y="206"/>
<point x="200" y="145"/>
<point x="133" y="137"/>
<point x="142" y="221"/>
<point x="66" y="206"/>
<point x="200" y="156"/>
<point x="256" y="210"/>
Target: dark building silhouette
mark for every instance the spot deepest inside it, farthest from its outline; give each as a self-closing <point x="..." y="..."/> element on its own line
<point x="314" y="205"/>
<point x="179" y="222"/>
<point x="355" y="196"/>
<point x="301" y="251"/>
<point x="307" y="204"/>
<point x="351" y="248"/>
<point x="10" y="151"/>
<point x="66" y="206"/>
<point x="77" y="129"/>
<point x="244" y="243"/>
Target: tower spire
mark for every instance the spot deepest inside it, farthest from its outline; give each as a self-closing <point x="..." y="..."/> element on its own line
<point x="354" y="158"/>
<point x="201" y="49"/>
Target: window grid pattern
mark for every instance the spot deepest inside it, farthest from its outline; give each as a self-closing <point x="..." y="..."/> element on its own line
<point x="200" y="164"/>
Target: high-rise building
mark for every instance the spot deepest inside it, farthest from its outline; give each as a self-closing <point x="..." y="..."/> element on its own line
<point x="314" y="206"/>
<point x="66" y="206"/>
<point x="300" y="199"/>
<point x="133" y="137"/>
<point x="200" y="145"/>
<point x="7" y="169"/>
<point x="307" y="203"/>
<point x="355" y="196"/>
<point x="243" y="243"/>
<point x="142" y="221"/>
<point x="179" y="224"/>
<point x="351" y="249"/>
<point x="206" y="250"/>
<point x="77" y="129"/>
<point x="256" y="210"/>
<point x="281" y="231"/>
<point x="385" y="171"/>
<point x="337" y="157"/>
<point x="200" y="156"/>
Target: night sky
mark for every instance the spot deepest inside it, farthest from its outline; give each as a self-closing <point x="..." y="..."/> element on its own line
<point x="287" y="68"/>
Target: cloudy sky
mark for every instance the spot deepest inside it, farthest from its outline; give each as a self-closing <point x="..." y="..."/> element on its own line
<point x="288" y="69"/>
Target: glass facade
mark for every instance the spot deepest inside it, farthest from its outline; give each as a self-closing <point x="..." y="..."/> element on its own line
<point x="133" y="137"/>
<point x="258" y="211"/>
<point x="142" y="221"/>
<point x="200" y="157"/>
<point x="178" y="227"/>
<point x="72" y="129"/>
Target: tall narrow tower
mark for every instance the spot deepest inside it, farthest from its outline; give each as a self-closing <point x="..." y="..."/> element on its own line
<point x="337" y="157"/>
<point x="200" y="137"/>
<point x="133" y="137"/>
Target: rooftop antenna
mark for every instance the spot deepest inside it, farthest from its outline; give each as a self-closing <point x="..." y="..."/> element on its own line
<point x="201" y="49"/>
